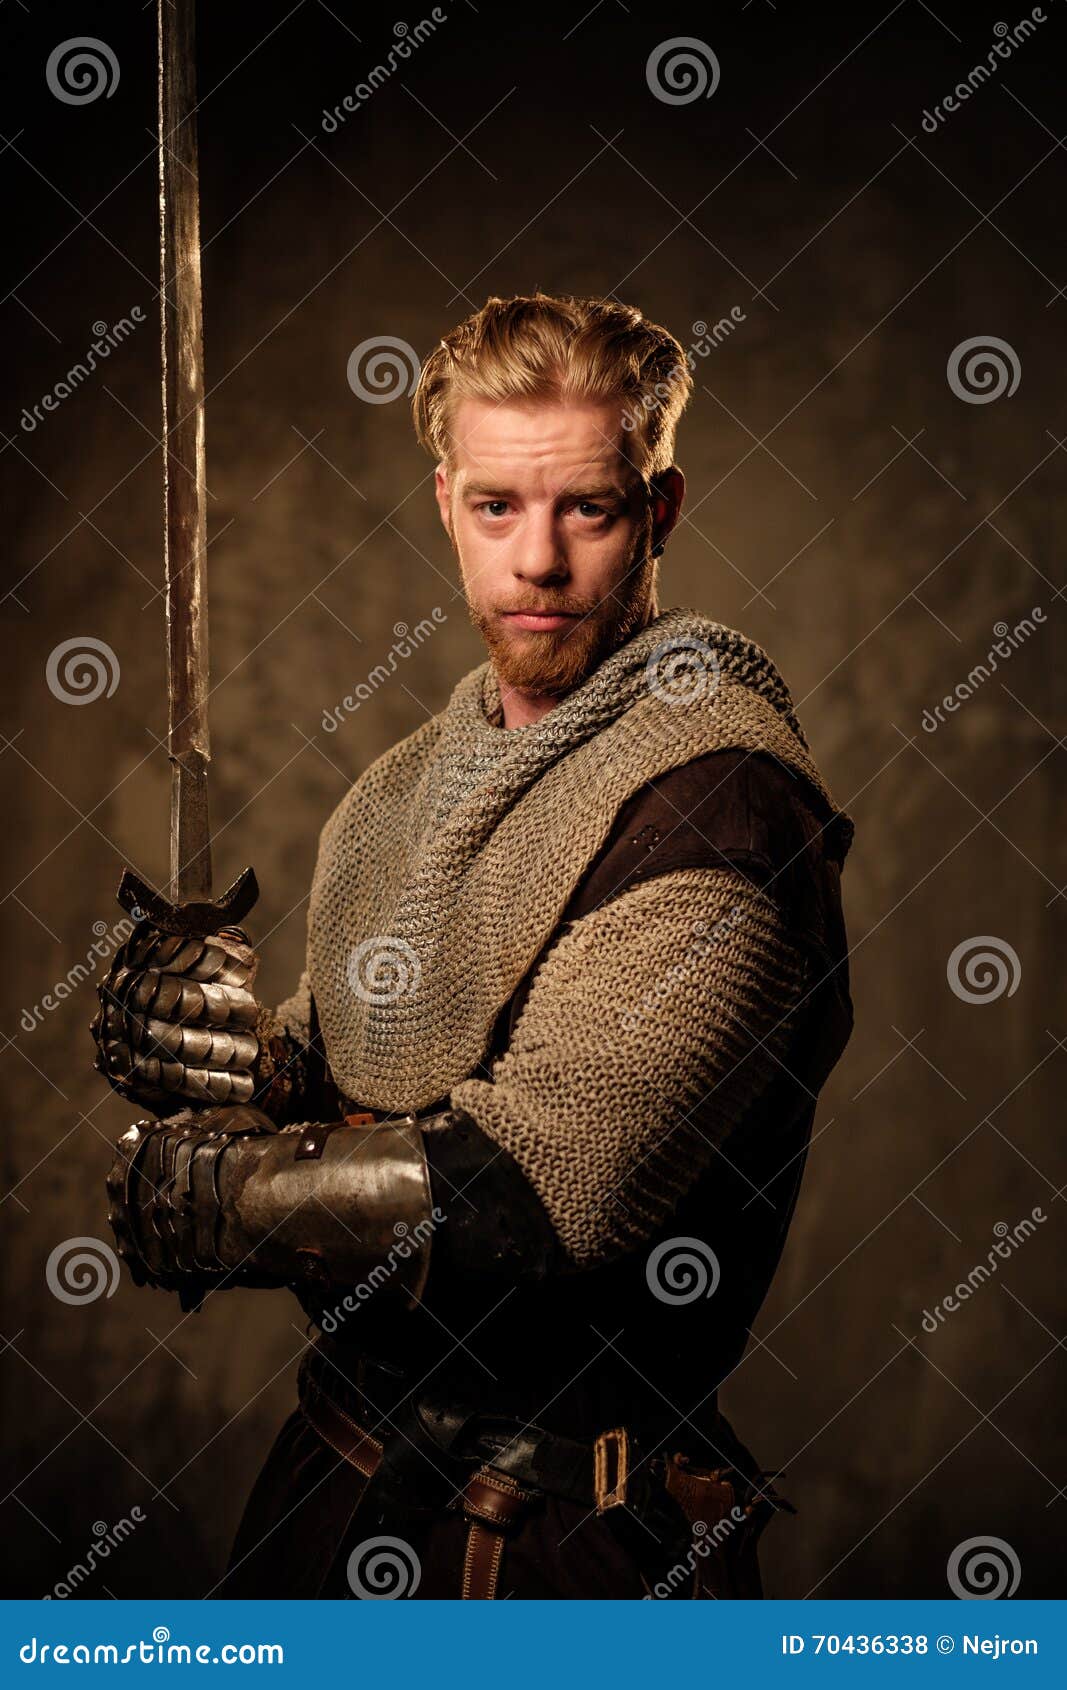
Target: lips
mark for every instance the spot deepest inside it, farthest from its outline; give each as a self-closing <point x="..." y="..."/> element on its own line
<point x="538" y="621"/>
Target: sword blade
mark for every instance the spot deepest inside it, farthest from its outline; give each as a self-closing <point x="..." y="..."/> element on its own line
<point x="185" y="490"/>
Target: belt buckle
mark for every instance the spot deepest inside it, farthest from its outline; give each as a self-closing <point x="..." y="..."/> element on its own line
<point x="611" y="1468"/>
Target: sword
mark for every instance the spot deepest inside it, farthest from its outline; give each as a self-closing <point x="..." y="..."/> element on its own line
<point x="189" y="910"/>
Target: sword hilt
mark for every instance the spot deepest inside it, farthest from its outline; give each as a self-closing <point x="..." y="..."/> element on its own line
<point x="195" y="920"/>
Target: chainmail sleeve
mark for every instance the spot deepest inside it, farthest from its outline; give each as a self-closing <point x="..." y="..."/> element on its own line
<point x="651" y="1027"/>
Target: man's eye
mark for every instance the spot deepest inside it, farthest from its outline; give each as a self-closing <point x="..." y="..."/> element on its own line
<point x="495" y="507"/>
<point x="585" y="507"/>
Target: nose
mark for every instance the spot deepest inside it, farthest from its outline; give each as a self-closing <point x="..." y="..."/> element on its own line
<point x="540" y="557"/>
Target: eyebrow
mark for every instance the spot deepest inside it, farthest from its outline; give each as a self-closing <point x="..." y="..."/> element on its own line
<point x="485" y="490"/>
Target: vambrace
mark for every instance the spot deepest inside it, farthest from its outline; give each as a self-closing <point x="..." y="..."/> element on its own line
<point x="498" y="1229"/>
<point x="222" y="1198"/>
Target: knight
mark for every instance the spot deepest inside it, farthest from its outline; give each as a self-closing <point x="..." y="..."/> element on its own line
<point x="526" y="1140"/>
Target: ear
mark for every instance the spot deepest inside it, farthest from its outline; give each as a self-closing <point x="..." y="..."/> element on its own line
<point x="668" y="492"/>
<point x="443" y="495"/>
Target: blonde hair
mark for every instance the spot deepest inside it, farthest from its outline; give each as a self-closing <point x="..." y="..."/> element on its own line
<point x="543" y="346"/>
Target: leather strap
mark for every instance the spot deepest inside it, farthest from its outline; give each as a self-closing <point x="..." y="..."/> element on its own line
<point x="493" y="1505"/>
<point x="481" y="1563"/>
<point x="339" y="1430"/>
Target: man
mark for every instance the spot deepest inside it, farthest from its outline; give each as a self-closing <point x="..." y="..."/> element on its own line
<point x="527" y="1140"/>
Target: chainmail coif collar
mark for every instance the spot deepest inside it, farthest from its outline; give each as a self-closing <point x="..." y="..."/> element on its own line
<point x="446" y="868"/>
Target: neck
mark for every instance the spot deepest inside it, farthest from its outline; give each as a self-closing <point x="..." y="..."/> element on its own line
<point x="522" y="708"/>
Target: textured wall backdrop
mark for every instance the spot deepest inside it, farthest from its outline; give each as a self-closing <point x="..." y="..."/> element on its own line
<point x="867" y="515"/>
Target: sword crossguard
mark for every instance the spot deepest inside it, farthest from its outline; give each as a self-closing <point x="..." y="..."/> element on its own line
<point x="195" y="920"/>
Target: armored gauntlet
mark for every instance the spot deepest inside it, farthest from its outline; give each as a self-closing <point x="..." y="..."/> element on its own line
<point x="177" y="1017"/>
<point x="221" y="1198"/>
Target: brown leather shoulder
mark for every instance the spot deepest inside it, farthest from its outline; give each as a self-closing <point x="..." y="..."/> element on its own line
<point x="732" y="809"/>
<point x="728" y="809"/>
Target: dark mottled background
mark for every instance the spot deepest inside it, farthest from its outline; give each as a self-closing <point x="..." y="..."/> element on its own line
<point x="847" y="509"/>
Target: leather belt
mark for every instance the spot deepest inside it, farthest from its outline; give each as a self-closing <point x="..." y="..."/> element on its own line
<point x="492" y="1502"/>
<point x="497" y="1497"/>
<point x="510" y="1474"/>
